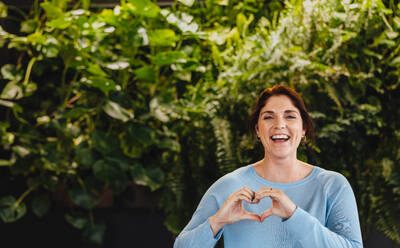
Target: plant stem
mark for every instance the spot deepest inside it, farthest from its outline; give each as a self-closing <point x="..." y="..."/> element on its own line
<point x="70" y="87"/>
<point x="18" y="11"/>
<point x="26" y="193"/>
<point x="28" y="70"/>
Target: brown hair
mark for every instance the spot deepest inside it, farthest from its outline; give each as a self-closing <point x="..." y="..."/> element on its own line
<point x="297" y="101"/>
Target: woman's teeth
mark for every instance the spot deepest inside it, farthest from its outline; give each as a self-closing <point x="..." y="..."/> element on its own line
<point x="280" y="137"/>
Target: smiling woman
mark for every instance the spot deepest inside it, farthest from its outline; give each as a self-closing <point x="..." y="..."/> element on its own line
<point x="278" y="201"/>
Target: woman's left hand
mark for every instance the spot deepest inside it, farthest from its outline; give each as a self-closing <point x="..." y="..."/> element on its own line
<point x="281" y="205"/>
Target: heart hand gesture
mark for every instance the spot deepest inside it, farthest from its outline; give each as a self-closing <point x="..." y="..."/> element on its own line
<point x="233" y="211"/>
<point x="281" y="205"/>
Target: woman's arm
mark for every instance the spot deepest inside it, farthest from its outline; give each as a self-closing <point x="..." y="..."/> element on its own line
<point x="342" y="227"/>
<point x="197" y="232"/>
<point x="206" y="226"/>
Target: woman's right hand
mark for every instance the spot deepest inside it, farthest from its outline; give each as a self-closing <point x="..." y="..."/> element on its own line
<point x="233" y="211"/>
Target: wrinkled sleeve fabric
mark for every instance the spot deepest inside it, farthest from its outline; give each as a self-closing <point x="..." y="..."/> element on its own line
<point x="342" y="228"/>
<point x="198" y="233"/>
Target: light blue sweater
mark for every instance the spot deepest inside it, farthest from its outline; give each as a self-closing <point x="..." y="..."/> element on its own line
<point x="326" y="214"/>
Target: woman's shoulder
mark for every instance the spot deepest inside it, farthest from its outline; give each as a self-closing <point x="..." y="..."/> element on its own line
<point x="330" y="178"/>
<point x="234" y="179"/>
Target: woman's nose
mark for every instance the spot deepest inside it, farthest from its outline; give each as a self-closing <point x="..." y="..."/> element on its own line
<point x="280" y="123"/>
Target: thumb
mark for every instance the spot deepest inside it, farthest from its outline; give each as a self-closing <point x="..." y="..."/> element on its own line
<point x="266" y="214"/>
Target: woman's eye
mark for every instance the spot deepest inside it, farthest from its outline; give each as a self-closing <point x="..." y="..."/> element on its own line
<point x="291" y="117"/>
<point x="267" y="117"/>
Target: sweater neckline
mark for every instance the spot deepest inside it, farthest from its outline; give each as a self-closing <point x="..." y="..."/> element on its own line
<point x="283" y="185"/>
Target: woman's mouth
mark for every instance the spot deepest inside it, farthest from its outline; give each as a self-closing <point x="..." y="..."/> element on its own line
<point x="280" y="137"/>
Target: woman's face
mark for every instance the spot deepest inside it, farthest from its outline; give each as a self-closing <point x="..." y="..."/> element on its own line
<point x="280" y="127"/>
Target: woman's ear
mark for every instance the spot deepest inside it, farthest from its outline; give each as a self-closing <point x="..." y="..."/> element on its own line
<point x="256" y="128"/>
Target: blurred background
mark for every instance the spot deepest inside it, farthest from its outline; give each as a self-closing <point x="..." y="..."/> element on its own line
<point x="116" y="116"/>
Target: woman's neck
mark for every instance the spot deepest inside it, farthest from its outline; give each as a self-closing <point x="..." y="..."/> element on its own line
<point x="282" y="170"/>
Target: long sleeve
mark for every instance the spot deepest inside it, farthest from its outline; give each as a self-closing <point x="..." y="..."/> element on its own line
<point x="342" y="226"/>
<point x="326" y="215"/>
<point x="198" y="233"/>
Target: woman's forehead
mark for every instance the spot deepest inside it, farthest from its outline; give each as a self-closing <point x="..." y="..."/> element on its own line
<point x="279" y="103"/>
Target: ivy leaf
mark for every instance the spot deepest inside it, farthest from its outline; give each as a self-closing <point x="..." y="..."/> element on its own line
<point x="8" y="104"/>
<point x="145" y="73"/>
<point x="41" y="205"/>
<point x="187" y="2"/>
<point x="122" y="163"/>
<point x="51" y="10"/>
<point x="372" y="53"/>
<point x="3" y="10"/>
<point x="144" y="8"/>
<point x="81" y="198"/>
<point x="96" y="70"/>
<point x="158" y="110"/>
<point x="10" y="72"/>
<point x="135" y="141"/>
<point x="36" y="38"/>
<point x="77" y="112"/>
<point x="170" y="144"/>
<point x="103" y="84"/>
<point x="151" y="177"/>
<point x="115" y="111"/>
<point x="29" y="89"/>
<point x="21" y="151"/>
<point x="84" y="155"/>
<point x="12" y="91"/>
<point x="77" y="222"/>
<point x="7" y="138"/>
<point x="131" y="147"/>
<point x="104" y="143"/>
<point x="4" y="162"/>
<point x="395" y="61"/>
<point x="60" y="23"/>
<point x="387" y="168"/>
<point x="105" y="172"/>
<point x="95" y="232"/>
<point x="167" y="58"/>
<point x="162" y="37"/>
<point x="28" y="26"/>
<point x="11" y="211"/>
<point x="117" y="65"/>
<point x="142" y="133"/>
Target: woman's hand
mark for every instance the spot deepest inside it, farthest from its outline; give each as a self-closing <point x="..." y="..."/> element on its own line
<point x="281" y="205"/>
<point x="233" y="211"/>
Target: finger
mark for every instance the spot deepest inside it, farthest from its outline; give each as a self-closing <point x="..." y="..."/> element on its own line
<point x="271" y="194"/>
<point x="251" y="216"/>
<point x="265" y="214"/>
<point x="244" y="197"/>
<point x="255" y="201"/>
<point x="248" y="191"/>
<point x="262" y="194"/>
<point x="264" y="190"/>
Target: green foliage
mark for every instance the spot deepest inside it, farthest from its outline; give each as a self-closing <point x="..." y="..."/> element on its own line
<point x="97" y="99"/>
<point x="11" y="209"/>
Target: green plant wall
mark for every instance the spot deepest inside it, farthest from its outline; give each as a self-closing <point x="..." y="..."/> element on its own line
<point x="95" y="99"/>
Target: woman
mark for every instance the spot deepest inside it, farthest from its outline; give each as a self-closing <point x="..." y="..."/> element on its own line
<point x="278" y="201"/>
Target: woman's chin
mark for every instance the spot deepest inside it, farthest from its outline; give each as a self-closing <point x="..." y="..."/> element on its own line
<point x="282" y="155"/>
